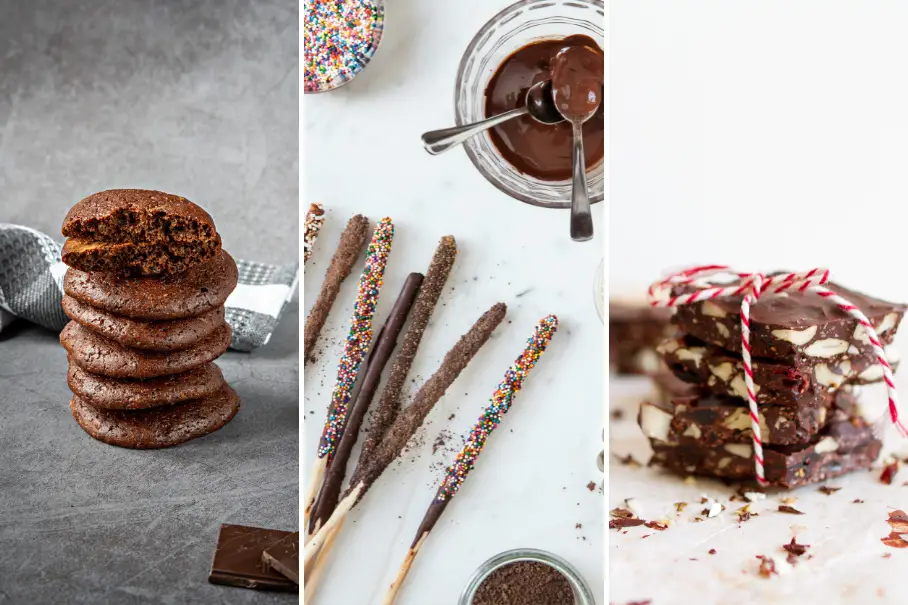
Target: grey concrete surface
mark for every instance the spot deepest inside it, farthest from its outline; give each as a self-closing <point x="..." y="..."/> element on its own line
<point x="196" y="98"/>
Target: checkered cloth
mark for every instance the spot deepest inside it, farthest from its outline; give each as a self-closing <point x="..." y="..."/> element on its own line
<point x="31" y="287"/>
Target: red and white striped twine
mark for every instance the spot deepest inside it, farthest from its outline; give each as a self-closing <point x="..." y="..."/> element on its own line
<point x="753" y="286"/>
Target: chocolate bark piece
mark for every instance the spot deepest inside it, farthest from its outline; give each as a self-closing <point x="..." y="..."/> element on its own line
<point x="667" y="386"/>
<point x="138" y="231"/>
<point x="793" y="328"/>
<point x="157" y="427"/>
<point x="846" y="444"/>
<point x="807" y="383"/>
<point x="284" y="556"/>
<point x="715" y="420"/>
<point x="201" y="289"/>
<point x="635" y="330"/>
<point x="154" y="335"/>
<point x="137" y="394"/>
<point x="100" y="355"/>
<point x="238" y="559"/>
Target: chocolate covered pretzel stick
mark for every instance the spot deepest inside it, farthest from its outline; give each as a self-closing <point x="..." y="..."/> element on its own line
<point x="315" y="218"/>
<point x="409" y="421"/>
<point x="491" y="417"/>
<point x="358" y="341"/>
<point x="426" y="300"/>
<point x="348" y="249"/>
<point x="378" y="358"/>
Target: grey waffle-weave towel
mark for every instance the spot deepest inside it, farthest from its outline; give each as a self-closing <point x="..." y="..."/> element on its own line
<point x="31" y="288"/>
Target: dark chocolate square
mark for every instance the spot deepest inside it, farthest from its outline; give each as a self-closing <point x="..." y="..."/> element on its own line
<point x="238" y="559"/>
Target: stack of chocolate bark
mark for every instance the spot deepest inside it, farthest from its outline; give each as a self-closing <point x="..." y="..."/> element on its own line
<point x="145" y="291"/>
<point x="808" y="356"/>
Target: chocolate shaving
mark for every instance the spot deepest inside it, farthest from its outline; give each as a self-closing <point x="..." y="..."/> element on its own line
<point x="796" y="549"/>
<point x="348" y="248"/>
<point x="657" y="525"/>
<point x="784" y="508"/>
<point x="426" y="300"/>
<point x="828" y="490"/>
<point x="624" y="522"/>
<point x="889" y="472"/>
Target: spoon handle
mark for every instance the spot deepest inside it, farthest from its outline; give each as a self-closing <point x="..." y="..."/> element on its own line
<point x="439" y="141"/>
<point x="581" y="215"/>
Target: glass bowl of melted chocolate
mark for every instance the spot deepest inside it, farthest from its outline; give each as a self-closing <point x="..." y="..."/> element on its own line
<point x="526" y="159"/>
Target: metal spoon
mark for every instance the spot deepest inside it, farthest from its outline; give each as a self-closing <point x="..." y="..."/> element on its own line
<point x="539" y="105"/>
<point x="576" y="91"/>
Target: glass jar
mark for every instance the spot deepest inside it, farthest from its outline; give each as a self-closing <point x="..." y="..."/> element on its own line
<point x="518" y="25"/>
<point x="582" y="593"/>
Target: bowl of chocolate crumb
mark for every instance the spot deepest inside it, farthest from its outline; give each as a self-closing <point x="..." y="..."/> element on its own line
<point x="526" y="576"/>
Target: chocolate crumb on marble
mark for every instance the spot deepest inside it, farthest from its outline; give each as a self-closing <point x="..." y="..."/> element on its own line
<point x="525" y="583"/>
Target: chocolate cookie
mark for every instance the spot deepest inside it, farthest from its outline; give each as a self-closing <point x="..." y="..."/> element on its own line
<point x="131" y="394"/>
<point x="199" y="290"/>
<point x="100" y="355"/>
<point x="138" y="231"/>
<point x="158" y="427"/>
<point x="160" y="335"/>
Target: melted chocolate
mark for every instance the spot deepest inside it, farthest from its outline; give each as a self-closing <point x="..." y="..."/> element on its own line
<point x="540" y="150"/>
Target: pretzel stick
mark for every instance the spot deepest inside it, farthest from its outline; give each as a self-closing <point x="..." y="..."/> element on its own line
<point x="408" y="421"/>
<point x="315" y="218"/>
<point x="315" y="480"/>
<point x="465" y="461"/>
<point x="314" y="575"/>
<point x="348" y="248"/>
<point x="378" y="358"/>
<point x="429" y="293"/>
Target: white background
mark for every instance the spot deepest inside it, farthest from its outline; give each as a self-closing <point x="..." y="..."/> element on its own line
<point x="765" y="135"/>
<point x="363" y="155"/>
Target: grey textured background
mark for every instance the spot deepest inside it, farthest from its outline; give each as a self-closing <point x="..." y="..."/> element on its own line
<point x="195" y="98"/>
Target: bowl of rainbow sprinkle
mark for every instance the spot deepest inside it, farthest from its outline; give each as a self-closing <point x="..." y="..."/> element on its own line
<point x="340" y="39"/>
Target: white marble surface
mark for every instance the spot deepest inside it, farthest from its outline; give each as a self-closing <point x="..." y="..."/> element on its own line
<point x="363" y="155"/>
<point x="848" y="564"/>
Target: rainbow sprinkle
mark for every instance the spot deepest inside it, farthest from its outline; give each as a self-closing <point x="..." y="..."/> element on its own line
<point x="500" y="403"/>
<point x="360" y="336"/>
<point x="340" y="37"/>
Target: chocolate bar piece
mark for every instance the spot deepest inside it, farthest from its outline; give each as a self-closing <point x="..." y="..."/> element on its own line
<point x="635" y="330"/>
<point x="238" y="559"/>
<point x="714" y="420"/>
<point x="776" y="383"/>
<point x="845" y="445"/>
<point x="283" y="556"/>
<point x="793" y="328"/>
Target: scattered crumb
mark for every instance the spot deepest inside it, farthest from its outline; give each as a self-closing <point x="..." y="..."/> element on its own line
<point x="591" y="485"/>
<point x="644" y="536"/>
<point x="657" y="525"/>
<point x="680" y="506"/>
<point x="788" y="500"/>
<point x="767" y="566"/>
<point x="690" y="480"/>
<point x="857" y="501"/>
<point x="828" y="490"/>
<point x="617" y="414"/>
<point x="712" y="551"/>
<point x="784" y="508"/>
<point x="887" y="555"/>
<point x="621" y="523"/>
<point x="796" y="549"/>
<point x="744" y="513"/>
<point x="898" y="524"/>
<point x="451" y="417"/>
<point x="621" y="513"/>
<point x="578" y="526"/>
<point x="889" y="472"/>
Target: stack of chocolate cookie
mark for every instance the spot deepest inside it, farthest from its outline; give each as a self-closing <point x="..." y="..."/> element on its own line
<point x="145" y="291"/>
<point x="808" y="355"/>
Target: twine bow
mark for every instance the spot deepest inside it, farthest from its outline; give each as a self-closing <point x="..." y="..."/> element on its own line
<point x="753" y="286"/>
